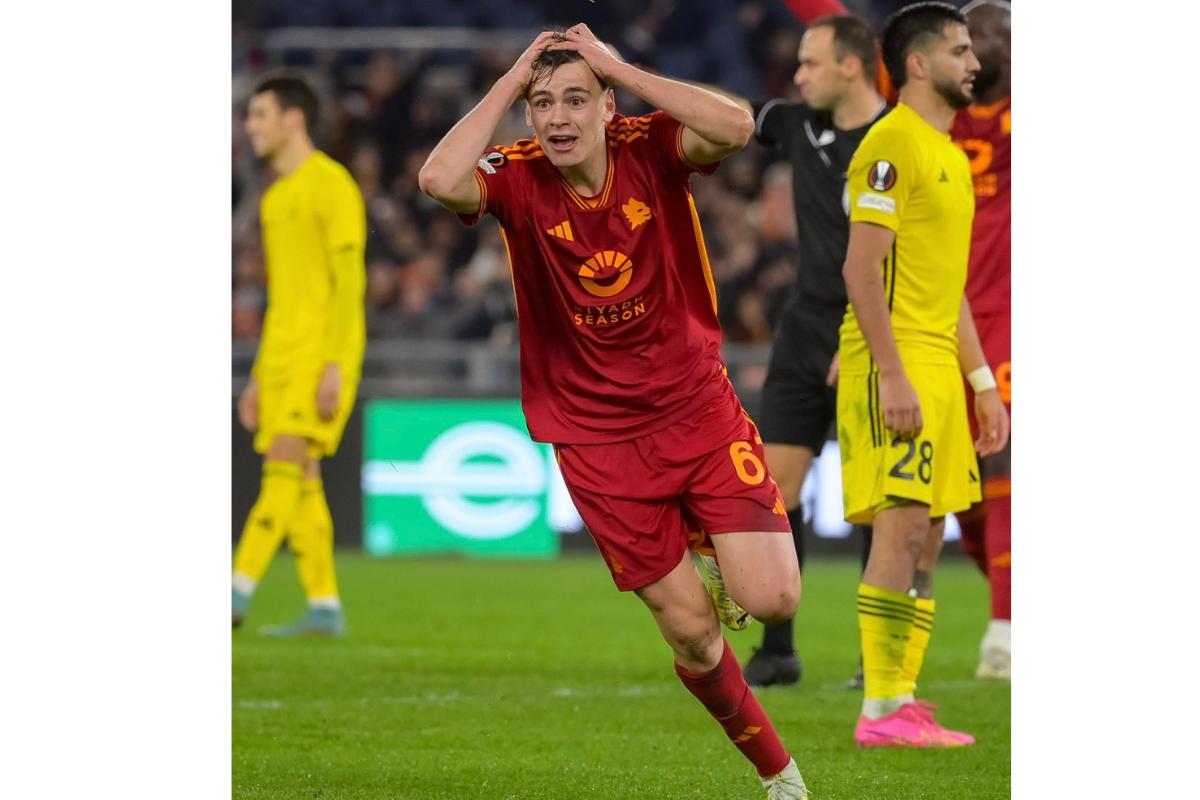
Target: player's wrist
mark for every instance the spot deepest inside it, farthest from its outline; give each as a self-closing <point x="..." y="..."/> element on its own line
<point x="618" y="73"/>
<point x="891" y="371"/>
<point x="981" y="379"/>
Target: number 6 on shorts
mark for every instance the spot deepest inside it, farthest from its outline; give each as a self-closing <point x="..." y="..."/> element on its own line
<point x="743" y="454"/>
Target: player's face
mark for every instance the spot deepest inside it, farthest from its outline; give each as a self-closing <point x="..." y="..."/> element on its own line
<point x="266" y="124"/>
<point x="991" y="39"/>
<point x="568" y="112"/>
<point x="953" y="66"/>
<point x="821" y="77"/>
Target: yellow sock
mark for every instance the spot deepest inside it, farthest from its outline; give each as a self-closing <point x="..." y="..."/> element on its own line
<point x="269" y="519"/>
<point x="885" y="620"/>
<point x="918" y="642"/>
<point x="311" y="539"/>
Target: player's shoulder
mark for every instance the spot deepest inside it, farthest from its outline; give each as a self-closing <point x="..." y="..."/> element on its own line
<point x="893" y="134"/>
<point x="978" y="121"/>
<point x="520" y="150"/>
<point x="329" y="173"/>
<point x="520" y="154"/>
<point x="622" y="130"/>
<point x="895" y="124"/>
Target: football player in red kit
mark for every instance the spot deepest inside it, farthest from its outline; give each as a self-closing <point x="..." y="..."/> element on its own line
<point x="983" y="130"/>
<point x="620" y="347"/>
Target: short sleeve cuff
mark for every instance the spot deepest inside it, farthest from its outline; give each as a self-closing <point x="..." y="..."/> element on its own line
<point x="472" y="218"/>
<point x="875" y="208"/>
<point x="703" y="169"/>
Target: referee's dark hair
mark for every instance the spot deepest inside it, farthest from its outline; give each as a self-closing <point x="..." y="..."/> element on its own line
<point x="912" y="28"/>
<point x="293" y="91"/>
<point x="852" y="36"/>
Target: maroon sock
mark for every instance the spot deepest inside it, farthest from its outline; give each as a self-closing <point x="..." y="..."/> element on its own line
<point x="999" y="553"/>
<point x="972" y="538"/>
<point x="724" y="692"/>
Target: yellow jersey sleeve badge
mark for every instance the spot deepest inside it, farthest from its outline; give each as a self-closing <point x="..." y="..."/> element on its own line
<point x="882" y="176"/>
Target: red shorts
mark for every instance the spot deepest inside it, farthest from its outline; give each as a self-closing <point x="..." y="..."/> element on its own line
<point x="641" y="497"/>
<point x="995" y="335"/>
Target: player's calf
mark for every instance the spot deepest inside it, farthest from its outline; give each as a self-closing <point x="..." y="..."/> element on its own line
<point x="684" y="614"/>
<point x="724" y="693"/>
<point x="898" y="538"/>
<point x="972" y="526"/>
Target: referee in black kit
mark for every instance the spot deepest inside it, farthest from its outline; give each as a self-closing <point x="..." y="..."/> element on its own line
<point x="836" y="77"/>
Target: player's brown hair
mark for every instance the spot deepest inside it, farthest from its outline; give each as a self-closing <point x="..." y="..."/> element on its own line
<point x="547" y="61"/>
<point x="852" y="36"/>
<point x="292" y="91"/>
<point x="910" y="28"/>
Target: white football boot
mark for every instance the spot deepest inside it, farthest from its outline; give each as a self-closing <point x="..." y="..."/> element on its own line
<point x="787" y="785"/>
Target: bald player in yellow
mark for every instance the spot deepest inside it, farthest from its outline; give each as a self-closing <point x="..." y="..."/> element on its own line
<point x="302" y="386"/>
<point x="907" y="455"/>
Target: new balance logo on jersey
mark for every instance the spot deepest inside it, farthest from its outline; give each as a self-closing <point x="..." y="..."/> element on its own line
<point x="562" y="231"/>
<point x="943" y="179"/>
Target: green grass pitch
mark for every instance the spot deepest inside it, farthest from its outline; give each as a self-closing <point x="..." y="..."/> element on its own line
<point x="475" y="679"/>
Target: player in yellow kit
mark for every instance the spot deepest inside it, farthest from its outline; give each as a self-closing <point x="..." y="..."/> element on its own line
<point x="302" y="386"/>
<point x="907" y="455"/>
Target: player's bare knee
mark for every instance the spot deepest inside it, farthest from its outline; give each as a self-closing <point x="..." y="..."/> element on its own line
<point x="293" y="449"/>
<point x="774" y="600"/>
<point x="790" y="597"/>
<point x="909" y="533"/>
<point x="778" y="606"/>
<point x="694" y="635"/>
<point x="699" y="649"/>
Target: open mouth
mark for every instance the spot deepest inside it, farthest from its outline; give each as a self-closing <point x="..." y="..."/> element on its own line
<point x="562" y="143"/>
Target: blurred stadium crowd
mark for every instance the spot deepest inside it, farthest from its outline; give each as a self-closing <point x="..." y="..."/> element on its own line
<point x="429" y="277"/>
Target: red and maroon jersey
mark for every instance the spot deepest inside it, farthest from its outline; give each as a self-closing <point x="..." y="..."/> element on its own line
<point x="983" y="132"/>
<point x="616" y="304"/>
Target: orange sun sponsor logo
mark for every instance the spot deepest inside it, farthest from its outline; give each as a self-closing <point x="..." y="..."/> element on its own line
<point x="637" y="212"/>
<point x="606" y="273"/>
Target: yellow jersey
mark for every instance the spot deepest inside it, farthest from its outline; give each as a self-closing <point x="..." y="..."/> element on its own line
<point x="314" y="231"/>
<point x="910" y="177"/>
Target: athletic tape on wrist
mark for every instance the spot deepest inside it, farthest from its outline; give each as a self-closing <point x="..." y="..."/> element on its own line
<point x="981" y="379"/>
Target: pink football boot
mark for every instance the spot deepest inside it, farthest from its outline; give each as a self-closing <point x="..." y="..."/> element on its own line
<point x="911" y="725"/>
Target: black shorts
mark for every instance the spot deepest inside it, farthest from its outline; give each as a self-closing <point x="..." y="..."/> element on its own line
<point x="797" y="407"/>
